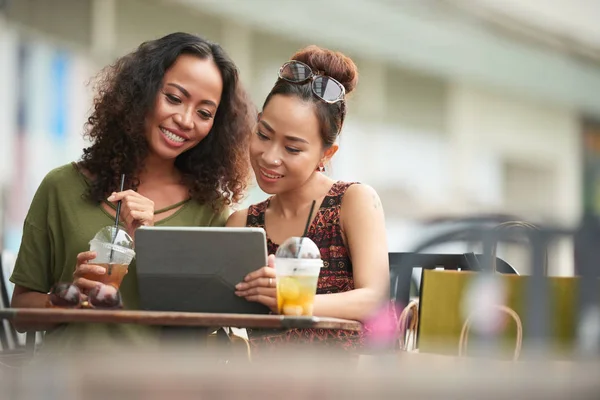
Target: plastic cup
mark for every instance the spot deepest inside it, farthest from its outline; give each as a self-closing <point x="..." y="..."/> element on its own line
<point x="114" y="253"/>
<point x="297" y="267"/>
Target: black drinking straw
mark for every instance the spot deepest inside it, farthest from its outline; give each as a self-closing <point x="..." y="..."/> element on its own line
<point x="312" y="207"/>
<point x="117" y="219"/>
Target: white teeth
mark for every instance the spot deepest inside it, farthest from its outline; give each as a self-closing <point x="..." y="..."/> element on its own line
<point x="172" y="136"/>
<point x="271" y="176"/>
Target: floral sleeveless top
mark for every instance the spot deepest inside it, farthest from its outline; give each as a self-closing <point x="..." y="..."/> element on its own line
<point x="335" y="277"/>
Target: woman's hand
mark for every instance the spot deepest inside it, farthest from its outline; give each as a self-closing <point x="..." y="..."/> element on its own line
<point x="136" y="210"/>
<point x="84" y="271"/>
<point x="260" y="286"/>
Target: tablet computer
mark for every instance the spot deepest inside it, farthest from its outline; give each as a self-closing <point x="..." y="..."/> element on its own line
<point x="195" y="269"/>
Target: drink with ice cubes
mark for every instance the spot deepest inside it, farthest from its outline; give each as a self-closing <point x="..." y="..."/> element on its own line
<point x="297" y="266"/>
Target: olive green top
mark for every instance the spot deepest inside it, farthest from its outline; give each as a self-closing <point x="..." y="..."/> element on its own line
<point x="59" y="225"/>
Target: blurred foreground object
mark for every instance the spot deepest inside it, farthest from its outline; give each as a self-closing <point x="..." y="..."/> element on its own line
<point x="184" y="374"/>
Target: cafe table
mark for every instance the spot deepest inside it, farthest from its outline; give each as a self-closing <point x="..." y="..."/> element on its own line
<point x="174" y="319"/>
<point x="179" y="325"/>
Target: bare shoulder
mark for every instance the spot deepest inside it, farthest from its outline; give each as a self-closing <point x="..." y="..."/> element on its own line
<point x="237" y="218"/>
<point x="361" y="219"/>
<point x="361" y="196"/>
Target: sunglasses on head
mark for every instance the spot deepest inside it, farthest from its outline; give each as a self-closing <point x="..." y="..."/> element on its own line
<point x="324" y="87"/>
<point x="68" y="295"/>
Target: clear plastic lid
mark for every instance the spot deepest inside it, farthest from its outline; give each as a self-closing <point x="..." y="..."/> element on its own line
<point x="119" y="240"/>
<point x="298" y="247"/>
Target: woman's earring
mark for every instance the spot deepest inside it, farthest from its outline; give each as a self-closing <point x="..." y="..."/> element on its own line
<point x="321" y="167"/>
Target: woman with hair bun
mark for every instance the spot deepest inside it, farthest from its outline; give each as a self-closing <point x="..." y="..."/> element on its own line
<point x="294" y="138"/>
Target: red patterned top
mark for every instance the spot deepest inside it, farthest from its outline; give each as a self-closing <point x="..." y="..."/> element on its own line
<point x="335" y="277"/>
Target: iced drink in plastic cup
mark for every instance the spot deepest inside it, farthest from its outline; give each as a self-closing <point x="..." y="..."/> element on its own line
<point x="114" y="251"/>
<point x="297" y="266"/>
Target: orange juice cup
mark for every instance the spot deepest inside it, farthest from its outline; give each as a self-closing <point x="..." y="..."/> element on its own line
<point x="296" y="294"/>
<point x="297" y="269"/>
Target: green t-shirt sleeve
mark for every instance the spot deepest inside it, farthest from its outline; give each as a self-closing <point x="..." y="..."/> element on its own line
<point x="220" y="219"/>
<point x="34" y="261"/>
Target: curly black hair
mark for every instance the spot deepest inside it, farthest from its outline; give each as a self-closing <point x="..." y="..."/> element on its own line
<point x="216" y="171"/>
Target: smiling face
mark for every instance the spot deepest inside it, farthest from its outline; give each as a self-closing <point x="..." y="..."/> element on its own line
<point x="185" y="106"/>
<point x="286" y="146"/>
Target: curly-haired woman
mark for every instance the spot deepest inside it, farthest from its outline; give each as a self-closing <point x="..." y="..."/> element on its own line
<point x="174" y="119"/>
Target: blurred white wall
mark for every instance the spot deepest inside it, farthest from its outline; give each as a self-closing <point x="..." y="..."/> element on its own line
<point x="8" y="108"/>
<point x="520" y="133"/>
<point x="449" y="117"/>
<point x="571" y="19"/>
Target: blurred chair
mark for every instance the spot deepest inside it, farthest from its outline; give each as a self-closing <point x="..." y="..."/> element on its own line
<point x="15" y="348"/>
<point x="18" y="346"/>
<point x="9" y="339"/>
<point x="405" y="270"/>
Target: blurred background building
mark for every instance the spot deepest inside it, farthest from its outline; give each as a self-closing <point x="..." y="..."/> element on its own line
<point x="463" y="106"/>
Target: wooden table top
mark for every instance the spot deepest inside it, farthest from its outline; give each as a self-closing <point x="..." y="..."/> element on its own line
<point x="162" y="318"/>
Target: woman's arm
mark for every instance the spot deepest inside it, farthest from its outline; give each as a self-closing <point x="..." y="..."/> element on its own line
<point x="363" y="226"/>
<point x="237" y="219"/>
<point x="32" y="272"/>
<point x="26" y="298"/>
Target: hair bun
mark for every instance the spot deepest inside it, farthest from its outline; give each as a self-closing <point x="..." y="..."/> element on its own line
<point x="331" y="63"/>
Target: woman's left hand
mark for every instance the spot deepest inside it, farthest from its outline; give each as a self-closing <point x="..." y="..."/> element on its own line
<point x="260" y="286"/>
